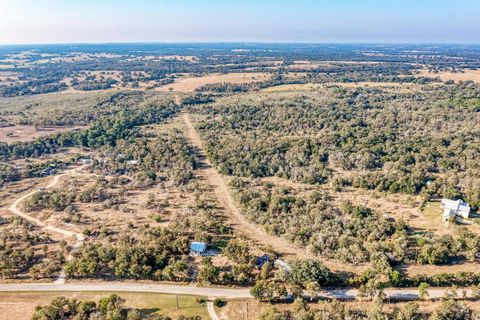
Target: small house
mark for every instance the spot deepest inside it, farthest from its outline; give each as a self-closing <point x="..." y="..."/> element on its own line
<point x="198" y="248"/>
<point x="454" y="209"/>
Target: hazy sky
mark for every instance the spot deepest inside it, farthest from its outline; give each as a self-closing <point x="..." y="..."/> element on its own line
<point x="74" y="21"/>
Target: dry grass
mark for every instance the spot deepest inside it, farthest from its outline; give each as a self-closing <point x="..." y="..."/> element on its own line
<point x="190" y="84"/>
<point x="251" y="309"/>
<point x="294" y="87"/>
<point x="22" y="133"/>
<point x="39" y="249"/>
<point x="473" y="75"/>
<point x="461" y="266"/>
<point x="129" y="216"/>
<point x="21" y="305"/>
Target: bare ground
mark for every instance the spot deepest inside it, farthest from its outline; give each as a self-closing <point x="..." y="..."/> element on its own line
<point x="473" y="75"/>
<point x="22" y="133"/>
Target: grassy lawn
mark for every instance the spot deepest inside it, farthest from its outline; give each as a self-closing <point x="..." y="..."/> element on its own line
<point x="20" y="305"/>
<point x="433" y="211"/>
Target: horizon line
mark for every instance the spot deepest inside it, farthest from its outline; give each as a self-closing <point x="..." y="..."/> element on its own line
<point x="236" y="42"/>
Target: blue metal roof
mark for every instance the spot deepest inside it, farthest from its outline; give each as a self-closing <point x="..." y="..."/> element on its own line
<point x="198" y="247"/>
<point x="261" y="260"/>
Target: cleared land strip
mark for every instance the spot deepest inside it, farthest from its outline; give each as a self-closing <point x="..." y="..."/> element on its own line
<point x="80" y="238"/>
<point x="218" y="182"/>
<point x="229" y="293"/>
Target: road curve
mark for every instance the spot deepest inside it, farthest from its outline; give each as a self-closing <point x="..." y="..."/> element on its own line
<point x="67" y="233"/>
<point x="229" y="293"/>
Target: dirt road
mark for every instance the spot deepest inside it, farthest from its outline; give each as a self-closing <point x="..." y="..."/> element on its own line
<point x="211" y="311"/>
<point x="80" y="238"/>
<point x="237" y="220"/>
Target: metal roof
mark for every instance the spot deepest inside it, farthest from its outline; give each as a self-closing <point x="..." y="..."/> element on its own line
<point x="198" y="247"/>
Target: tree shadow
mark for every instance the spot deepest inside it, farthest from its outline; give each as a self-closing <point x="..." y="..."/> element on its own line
<point x="148" y="312"/>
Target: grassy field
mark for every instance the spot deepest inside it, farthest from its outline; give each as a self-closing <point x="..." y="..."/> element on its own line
<point x="21" y="133"/>
<point x="473" y="75"/>
<point x="432" y="211"/>
<point x="21" y="305"/>
<point x="189" y="84"/>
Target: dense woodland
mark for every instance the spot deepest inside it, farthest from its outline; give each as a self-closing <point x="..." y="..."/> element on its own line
<point x="422" y="141"/>
<point x="152" y="157"/>
<point x="353" y="234"/>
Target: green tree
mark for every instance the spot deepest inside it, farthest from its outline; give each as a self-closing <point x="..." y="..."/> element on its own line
<point x="452" y="310"/>
<point x="209" y="273"/>
<point x="408" y="312"/>
<point x="423" y="290"/>
<point x="273" y="313"/>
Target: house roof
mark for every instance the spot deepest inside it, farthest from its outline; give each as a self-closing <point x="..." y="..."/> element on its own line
<point x="455" y="205"/>
<point x="198" y="247"/>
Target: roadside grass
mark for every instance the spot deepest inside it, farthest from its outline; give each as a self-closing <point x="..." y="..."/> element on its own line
<point x="21" y="305"/>
<point x="251" y="309"/>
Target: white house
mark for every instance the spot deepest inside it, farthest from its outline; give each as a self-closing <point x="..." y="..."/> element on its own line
<point x="455" y="208"/>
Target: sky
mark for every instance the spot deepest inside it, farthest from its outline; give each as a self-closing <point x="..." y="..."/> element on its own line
<point x="315" y="21"/>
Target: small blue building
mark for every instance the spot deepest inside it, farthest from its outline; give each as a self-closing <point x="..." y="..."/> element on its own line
<point x="261" y="261"/>
<point x="198" y="247"/>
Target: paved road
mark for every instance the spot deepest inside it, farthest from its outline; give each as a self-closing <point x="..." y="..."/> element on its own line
<point x="127" y="287"/>
<point x="229" y="293"/>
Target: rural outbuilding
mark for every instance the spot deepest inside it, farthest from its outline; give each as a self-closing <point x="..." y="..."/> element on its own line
<point x="198" y="247"/>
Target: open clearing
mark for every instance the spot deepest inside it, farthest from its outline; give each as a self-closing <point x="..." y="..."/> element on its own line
<point x="190" y="84"/>
<point x="21" y="133"/>
<point x="465" y="75"/>
<point x="21" y="305"/>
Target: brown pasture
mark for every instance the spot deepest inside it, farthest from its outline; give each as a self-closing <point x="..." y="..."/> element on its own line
<point x="190" y="84"/>
<point x="22" y="133"/>
<point x="464" y="75"/>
